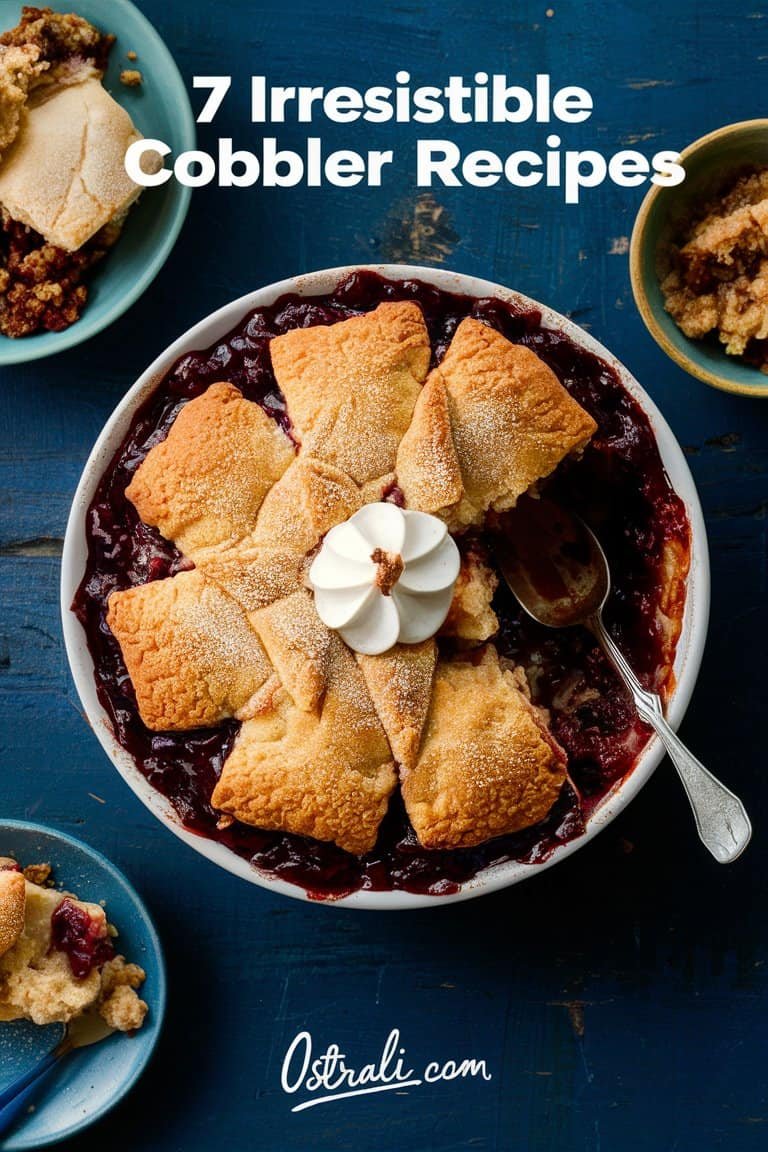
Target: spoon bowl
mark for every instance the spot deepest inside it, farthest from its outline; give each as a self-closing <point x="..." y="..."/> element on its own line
<point x="558" y="572"/>
<point x="553" y="563"/>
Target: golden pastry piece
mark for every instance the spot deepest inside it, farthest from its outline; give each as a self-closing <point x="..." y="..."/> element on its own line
<point x="308" y="500"/>
<point x="328" y="775"/>
<point x="192" y="656"/>
<point x="471" y="616"/>
<point x="64" y="176"/>
<point x="400" y="684"/>
<point x="204" y="485"/>
<point x="512" y="422"/>
<point x="299" y="645"/>
<point x="255" y="576"/>
<point x="675" y="563"/>
<point x="269" y="563"/>
<point x="487" y="765"/>
<point x="428" y="469"/>
<point x="12" y="901"/>
<point x="351" y="387"/>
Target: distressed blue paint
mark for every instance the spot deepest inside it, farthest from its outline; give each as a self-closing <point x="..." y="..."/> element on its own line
<point x="661" y="951"/>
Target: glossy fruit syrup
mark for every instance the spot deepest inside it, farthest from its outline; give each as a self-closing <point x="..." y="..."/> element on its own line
<point x="619" y="485"/>
<point x="78" y="935"/>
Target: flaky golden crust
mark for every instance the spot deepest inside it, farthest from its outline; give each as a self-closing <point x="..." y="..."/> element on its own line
<point x="326" y="774"/>
<point x="64" y="176"/>
<point x="299" y="645"/>
<point x="269" y="563"/>
<point x="486" y="767"/>
<point x="400" y="685"/>
<point x="471" y="616"/>
<point x="192" y="656"/>
<point x="304" y="504"/>
<point x="254" y="575"/>
<point x="675" y="564"/>
<point x="428" y="469"/>
<point x="511" y="423"/>
<point x="351" y="387"/>
<point x="12" y="902"/>
<point x="204" y="484"/>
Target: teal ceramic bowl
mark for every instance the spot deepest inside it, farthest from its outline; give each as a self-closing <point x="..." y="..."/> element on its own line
<point x="160" y="108"/>
<point x="709" y="163"/>
<point x="87" y="1084"/>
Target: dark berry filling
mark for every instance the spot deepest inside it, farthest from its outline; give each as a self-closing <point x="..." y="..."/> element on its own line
<point x="78" y="935"/>
<point x="619" y="485"/>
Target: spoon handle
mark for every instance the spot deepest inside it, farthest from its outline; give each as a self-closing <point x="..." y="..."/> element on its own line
<point x="18" y="1085"/>
<point x="721" y="819"/>
<point x="15" y="1100"/>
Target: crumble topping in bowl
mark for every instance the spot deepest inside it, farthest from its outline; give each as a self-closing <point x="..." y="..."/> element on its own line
<point x="64" y="192"/>
<point x="57" y="956"/>
<point x="715" y="277"/>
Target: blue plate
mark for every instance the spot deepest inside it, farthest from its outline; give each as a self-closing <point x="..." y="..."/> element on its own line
<point x="160" y="109"/>
<point x="90" y="1082"/>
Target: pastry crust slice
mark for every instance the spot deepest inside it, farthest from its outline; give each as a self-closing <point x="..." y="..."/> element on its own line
<point x="512" y="420"/>
<point x="255" y="576"/>
<point x="64" y="176"/>
<point x="471" y="616"/>
<point x="304" y="504"/>
<point x="204" y="484"/>
<point x="400" y="684"/>
<point x="268" y="565"/>
<point x="351" y="387"/>
<point x="428" y="469"/>
<point x="487" y="766"/>
<point x="192" y="656"/>
<point x="12" y="902"/>
<point x="328" y="775"/>
<point x="299" y="645"/>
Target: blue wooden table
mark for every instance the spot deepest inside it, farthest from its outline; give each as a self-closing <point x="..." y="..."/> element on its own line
<point x="630" y="1010"/>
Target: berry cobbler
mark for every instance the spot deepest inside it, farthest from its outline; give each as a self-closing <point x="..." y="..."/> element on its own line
<point x="292" y="603"/>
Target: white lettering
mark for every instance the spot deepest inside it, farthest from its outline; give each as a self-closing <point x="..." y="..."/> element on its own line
<point x="133" y="166"/>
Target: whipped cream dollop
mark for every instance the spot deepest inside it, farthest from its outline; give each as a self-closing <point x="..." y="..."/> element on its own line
<point x="385" y="576"/>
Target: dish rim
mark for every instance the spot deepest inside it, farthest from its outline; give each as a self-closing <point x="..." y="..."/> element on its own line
<point x="27" y="349"/>
<point x="206" y="332"/>
<point x="159" y="990"/>
<point x="636" y="250"/>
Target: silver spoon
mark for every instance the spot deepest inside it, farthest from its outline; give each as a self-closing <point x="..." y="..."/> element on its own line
<point x="557" y="570"/>
<point x="15" y="1100"/>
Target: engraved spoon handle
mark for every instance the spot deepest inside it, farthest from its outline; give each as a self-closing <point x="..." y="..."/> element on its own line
<point x="721" y="819"/>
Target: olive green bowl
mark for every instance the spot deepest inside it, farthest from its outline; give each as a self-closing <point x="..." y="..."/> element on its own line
<point x="708" y="162"/>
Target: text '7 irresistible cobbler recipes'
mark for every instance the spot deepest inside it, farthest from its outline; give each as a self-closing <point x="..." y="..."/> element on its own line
<point x="485" y="99"/>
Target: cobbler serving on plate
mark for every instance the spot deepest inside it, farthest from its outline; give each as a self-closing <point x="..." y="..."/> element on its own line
<point x="58" y="958"/>
<point x="292" y="604"/>
<point x="64" y="192"/>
